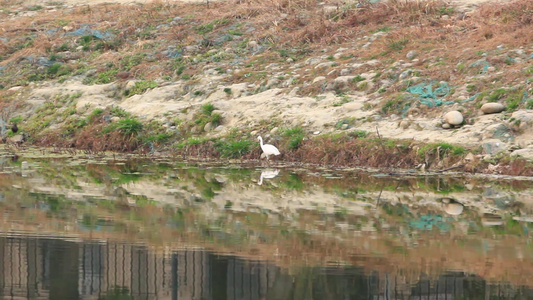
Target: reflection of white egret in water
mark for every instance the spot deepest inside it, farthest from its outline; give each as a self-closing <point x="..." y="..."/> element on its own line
<point x="267" y="148"/>
<point x="267" y="174"/>
<point x="452" y="207"/>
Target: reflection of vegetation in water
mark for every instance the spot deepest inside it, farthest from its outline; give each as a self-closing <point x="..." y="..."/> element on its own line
<point x="117" y="293"/>
<point x="294" y="182"/>
<point x="396" y="210"/>
<point x="194" y="188"/>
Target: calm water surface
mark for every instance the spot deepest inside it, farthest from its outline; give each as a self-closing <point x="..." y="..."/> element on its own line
<point x="82" y="229"/>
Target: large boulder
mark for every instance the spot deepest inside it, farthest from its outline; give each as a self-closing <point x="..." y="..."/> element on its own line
<point x="453" y="118"/>
<point x="492" y="108"/>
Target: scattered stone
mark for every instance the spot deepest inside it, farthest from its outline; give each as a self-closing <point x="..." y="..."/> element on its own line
<point x="319" y="78"/>
<point x="324" y="65"/>
<point x="411" y="55"/>
<point x="404" y="124"/>
<point x="405" y="74"/>
<point x="130" y="84"/>
<point x="345" y="72"/>
<point x="492" y="108"/>
<point x="312" y="61"/>
<point x="446" y="126"/>
<point x="453" y="118"/>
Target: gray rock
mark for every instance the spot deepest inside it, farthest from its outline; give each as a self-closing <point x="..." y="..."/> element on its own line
<point x="493" y="146"/>
<point x="492" y="108"/>
<point x="498" y="131"/>
<point x="453" y="118"/>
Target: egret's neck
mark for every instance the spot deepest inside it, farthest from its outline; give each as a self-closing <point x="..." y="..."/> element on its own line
<point x="261" y="141"/>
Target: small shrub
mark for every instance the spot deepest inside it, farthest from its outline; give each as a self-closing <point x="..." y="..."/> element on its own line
<point x="129" y="126"/>
<point x="295" y="137"/>
<point x="207" y="109"/>
<point x="216" y="119"/>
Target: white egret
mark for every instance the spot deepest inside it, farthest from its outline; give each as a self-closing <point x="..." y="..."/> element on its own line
<point x="267" y="148"/>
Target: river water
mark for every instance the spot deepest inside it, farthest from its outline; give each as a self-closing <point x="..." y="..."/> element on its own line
<point x="78" y="228"/>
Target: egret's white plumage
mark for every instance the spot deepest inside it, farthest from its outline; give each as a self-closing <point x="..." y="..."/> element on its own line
<point x="267" y="148"/>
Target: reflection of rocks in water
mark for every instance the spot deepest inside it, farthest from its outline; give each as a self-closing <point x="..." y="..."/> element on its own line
<point x="452" y="207"/>
<point x="501" y="199"/>
<point x="267" y="174"/>
<point x="491" y="220"/>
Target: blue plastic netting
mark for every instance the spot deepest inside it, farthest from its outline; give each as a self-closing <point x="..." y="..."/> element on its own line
<point x="431" y="93"/>
<point x="483" y="63"/>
